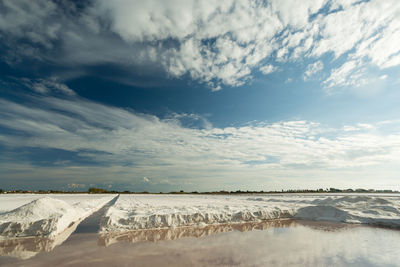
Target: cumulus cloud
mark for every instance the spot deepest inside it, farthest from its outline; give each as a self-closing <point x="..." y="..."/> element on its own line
<point x="267" y="69"/>
<point x="313" y="69"/>
<point x="369" y="31"/>
<point x="214" y="42"/>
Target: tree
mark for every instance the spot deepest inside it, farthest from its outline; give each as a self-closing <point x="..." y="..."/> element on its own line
<point x="94" y="190"/>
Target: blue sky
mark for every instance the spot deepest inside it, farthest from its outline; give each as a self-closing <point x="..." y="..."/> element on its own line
<point x="199" y="95"/>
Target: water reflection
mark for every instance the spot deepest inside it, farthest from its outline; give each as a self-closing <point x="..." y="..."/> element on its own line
<point x="270" y="243"/>
<point x="155" y="235"/>
<point x="27" y="247"/>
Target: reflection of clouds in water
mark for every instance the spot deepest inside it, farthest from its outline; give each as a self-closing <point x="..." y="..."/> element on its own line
<point x="281" y="243"/>
<point x="25" y="248"/>
<point x="355" y="246"/>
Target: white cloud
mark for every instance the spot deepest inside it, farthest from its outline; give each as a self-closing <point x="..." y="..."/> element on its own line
<point x="369" y="31"/>
<point x="217" y="43"/>
<point x="163" y="148"/>
<point x="267" y="69"/>
<point x="25" y="18"/>
<point x="43" y="86"/>
<point x="344" y="75"/>
<point x="76" y="186"/>
<point x="313" y="69"/>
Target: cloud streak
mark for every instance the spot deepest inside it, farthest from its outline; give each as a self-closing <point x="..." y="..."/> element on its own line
<point x="143" y="145"/>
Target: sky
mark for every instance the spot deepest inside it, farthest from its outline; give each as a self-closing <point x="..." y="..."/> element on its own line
<point x="199" y="95"/>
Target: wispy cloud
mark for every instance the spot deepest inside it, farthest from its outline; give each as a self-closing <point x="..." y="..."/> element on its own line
<point x="138" y="144"/>
<point x="46" y="86"/>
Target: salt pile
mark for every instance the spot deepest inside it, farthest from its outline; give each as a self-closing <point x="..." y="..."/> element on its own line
<point x="28" y="247"/>
<point x="381" y="211"/>
<point x="10" y="202"/>
<point x="133" y="212"/>
<point x="46" y="217"/>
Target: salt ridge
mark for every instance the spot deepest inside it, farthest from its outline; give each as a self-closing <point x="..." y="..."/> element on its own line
<point x="47" y="217"/>
<point x="133" y="212"/>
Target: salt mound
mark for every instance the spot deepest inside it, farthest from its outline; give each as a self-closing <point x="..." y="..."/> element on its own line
<point x="346" y="200"/>
<point x="132" y="212"/>
<point x="323" y="213"/>
<point x="110" y="223"/>
<point x="45" y="217"/>
<point x="40" y="217"/>
<point x="27" y="247"/>
<point x="40" y="208"/>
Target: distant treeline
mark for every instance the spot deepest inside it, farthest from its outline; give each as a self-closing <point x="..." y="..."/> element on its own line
<point x="94" y="190"/>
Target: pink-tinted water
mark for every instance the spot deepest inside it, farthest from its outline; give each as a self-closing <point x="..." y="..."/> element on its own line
<point x="276" y="243"/>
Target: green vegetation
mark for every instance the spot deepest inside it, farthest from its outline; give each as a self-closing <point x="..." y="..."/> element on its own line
<point x="94" y="190"/>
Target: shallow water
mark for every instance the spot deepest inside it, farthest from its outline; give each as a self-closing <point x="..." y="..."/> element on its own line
<point x="276" y="243"/>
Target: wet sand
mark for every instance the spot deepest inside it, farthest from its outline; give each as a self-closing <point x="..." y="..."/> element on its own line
<point x="272" y="243"/>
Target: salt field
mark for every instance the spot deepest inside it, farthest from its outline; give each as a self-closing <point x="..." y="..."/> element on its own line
<point x="154" y="211"/>
<point x="41" y="230"/>
<point x="199" y="133"/>
<point x="49" y="215"/>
